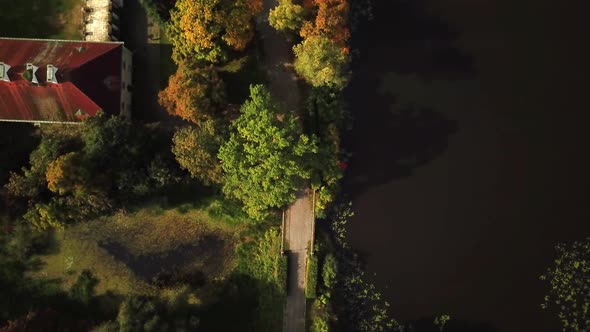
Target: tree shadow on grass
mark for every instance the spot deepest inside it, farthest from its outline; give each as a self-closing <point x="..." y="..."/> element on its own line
<point x="190" y="263"/>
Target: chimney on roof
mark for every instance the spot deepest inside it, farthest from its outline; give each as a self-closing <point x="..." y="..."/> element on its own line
<point x="51" y="72"/>
<point x="29" y="74"/>
<point x="4" y="72"/>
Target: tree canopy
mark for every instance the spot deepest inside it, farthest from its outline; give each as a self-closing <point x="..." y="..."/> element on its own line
<point x="331" y="21"/>
<point x="206" y="29"/>
<point x="266" y="159"/>
<point x="158" y="10"/>
<point x="77" y="173"/>
<point x="196" y="151"/>
<point x="193" y="93"/>
<point x="321" y="62"/>
<point x="287" y="16"/>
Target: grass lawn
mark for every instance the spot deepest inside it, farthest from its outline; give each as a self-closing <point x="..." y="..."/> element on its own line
<point x="144" y="251"/>
<point x="256" y="290"/>
<point x="228" y="265"/>
<point x="56" y="19"/>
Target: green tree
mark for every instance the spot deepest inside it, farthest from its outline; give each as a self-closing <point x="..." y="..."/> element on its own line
<point x="319" y="325"/>
<point x="126" y="159"/>
<point x="196" y="151"/>
<point x="83" y="288"/>
<point x="287" y="16"/>
<point x="139" y="314"/>
<point x="569" y="281"/>
<point x="79" y="174"/>
<point x="329" y="271"/>
<point x="266" y="159"/>
<point x="320" y="61"/>
<point x="158" y="10"/>
<point x="145" y="314"/>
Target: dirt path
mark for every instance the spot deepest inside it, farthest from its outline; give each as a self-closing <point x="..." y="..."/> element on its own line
<point x="277" y="56"/>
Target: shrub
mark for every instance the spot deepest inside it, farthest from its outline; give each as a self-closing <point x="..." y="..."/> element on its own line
<point x="312" y="277"/>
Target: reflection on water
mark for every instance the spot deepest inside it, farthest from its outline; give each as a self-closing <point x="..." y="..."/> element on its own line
<point x="468" y="163"/>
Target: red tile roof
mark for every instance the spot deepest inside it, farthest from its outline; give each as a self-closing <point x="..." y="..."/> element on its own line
<point x="89" y="76"/>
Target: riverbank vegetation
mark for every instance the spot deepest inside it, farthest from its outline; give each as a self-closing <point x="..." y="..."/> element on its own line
<point x="121" y="226"/>
<point x="568" y="279"/>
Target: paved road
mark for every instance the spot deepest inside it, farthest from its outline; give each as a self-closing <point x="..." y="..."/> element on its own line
<point x="141" y="36"/>
<point x="298" y="233"/>
<point x="277" y="55"/>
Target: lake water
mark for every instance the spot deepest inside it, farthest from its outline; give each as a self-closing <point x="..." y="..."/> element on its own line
<point x="470" y="153"/>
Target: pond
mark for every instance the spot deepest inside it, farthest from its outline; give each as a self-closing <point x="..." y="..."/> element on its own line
<point x="469" y="163"/>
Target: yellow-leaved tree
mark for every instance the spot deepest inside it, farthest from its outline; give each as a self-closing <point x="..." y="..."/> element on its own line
<point x="206" y="29"/>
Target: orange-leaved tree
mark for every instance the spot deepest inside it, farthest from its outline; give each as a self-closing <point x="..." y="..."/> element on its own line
<point x="193" y="93"/>
<point x="67" y="175"/>
<point x="331" y="20"/>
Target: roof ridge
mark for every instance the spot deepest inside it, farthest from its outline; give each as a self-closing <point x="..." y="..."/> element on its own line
<point x="106" y="51"/>
<point x="65" y="40"/>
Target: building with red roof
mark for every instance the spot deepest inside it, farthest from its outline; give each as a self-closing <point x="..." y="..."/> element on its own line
<point x="63" y="81"/>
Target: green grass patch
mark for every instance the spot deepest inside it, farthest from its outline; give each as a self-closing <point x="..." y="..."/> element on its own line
<point x="259" y="257"/>
<point x="56" y="19"/>
<point x="143" y="252"/>
<point x="312" y="277"/>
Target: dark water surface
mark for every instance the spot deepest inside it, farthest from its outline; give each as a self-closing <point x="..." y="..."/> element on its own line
<point x="470" y="159"/>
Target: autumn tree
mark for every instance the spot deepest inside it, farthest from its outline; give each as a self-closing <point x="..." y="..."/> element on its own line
<point x="266" y="159"/>
<point x="331" y="21"/>
<point x="237" y="22"/>
<point x="196" y="151"/>
<point x="206" y="29"/>
<point x="569" y="282"/>
<point x="66" y="174"/>
<point x="31" y="182"/>
<point x="193" y="93"/>
<point x="287" y="16"/>
<point x="321" y="62"/>
<point x="107" y="162"/>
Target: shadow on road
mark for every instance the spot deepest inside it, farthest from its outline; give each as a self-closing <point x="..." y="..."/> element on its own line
<point x="147" y="57"/>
